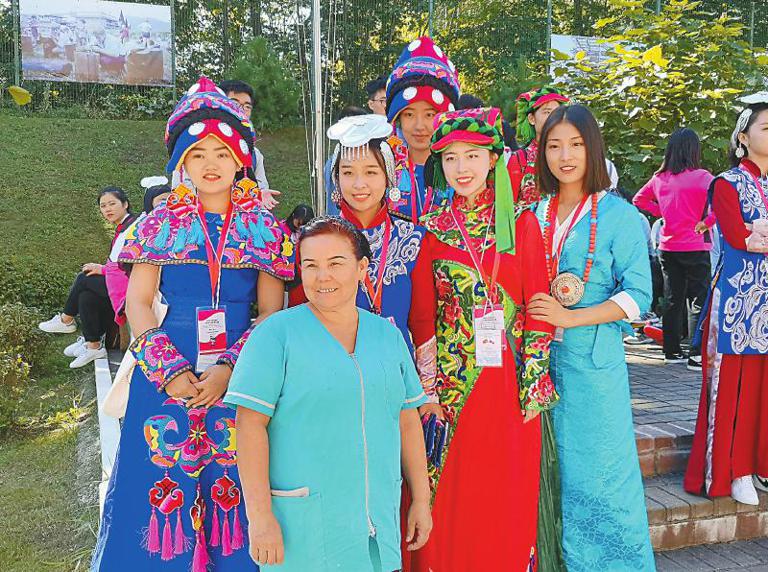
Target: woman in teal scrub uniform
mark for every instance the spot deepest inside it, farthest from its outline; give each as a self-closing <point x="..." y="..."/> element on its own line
<point x="326" y="394"/>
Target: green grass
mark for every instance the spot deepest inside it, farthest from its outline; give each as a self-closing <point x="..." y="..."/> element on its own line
<point x="52" y="169"/>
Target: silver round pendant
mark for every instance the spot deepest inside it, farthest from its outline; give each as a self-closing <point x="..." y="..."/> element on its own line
<point x="567" y="289"/>
<point x="394" y="194"/>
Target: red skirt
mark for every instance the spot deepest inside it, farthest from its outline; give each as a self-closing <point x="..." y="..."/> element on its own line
<point x="731" y="438"/>
<point x="486" y="506"/>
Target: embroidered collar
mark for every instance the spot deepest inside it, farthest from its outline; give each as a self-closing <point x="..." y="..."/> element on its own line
<point x="477" y="219"/>
<point x="532" y="151"/>
<point x="349" y="214"/>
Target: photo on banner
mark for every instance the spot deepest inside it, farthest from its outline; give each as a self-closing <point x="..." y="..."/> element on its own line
<point x="95" y="41"/>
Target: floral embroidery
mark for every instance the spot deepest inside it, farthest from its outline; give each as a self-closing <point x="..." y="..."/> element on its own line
<point x="476" y="220"/>
<point x="529" y="193"/>
<point x="537" y="391"/>
<point x="230" y="356"/>
<point x="256" y="240"/>
<point x="158" y="358"/>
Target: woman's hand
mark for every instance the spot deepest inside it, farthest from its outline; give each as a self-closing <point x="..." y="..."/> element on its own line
<point x="92" y="269"/>
<point x="419" y="525"/>
<point x="268" y="198"/>
<point x="212" y="385"/>
<point x="701" y="227"/>
<point x="545" y="308"/>
<point x="432" y="409"/>
<point x="266" y="539"/>
<point x="183" y="386"/>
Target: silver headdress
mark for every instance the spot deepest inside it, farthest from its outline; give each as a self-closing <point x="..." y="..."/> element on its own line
<point x="743" y="120"/>
<point x="354" y="135"/>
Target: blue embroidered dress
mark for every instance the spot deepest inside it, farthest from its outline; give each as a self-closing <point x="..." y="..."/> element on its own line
<point x="174" y="502"/>
<point x="605" y="526"/>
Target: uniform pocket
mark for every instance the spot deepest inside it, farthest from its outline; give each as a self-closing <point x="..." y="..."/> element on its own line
<point x="608" y="348"/>
<point x="301" y="521"/>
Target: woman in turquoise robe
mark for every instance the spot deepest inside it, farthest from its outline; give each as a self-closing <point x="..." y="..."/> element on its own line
<point x="605" y="526"/>
<point x="337" y="390"/>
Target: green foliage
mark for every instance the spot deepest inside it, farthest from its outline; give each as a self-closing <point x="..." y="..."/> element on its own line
<point x="277" y="93"/>
<point x="19" y="334"/>
<point x="14" y="377"/>
<point x="664" y="71"/>
<point x="520" y="76"/>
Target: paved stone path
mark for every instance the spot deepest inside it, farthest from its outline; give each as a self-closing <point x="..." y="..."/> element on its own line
<point x="745" y="556"/>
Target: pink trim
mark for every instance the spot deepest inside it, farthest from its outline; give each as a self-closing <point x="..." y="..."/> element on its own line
<point x="550" y="97"/>
<point x="712" y="373"/>
<point x="469" y="137"/>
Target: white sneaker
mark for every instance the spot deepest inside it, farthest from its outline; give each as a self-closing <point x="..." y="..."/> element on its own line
<point x="761" y="483"/>
<point x="743" y="491"/>
<point x="76" y="348"/>
<point x="56" y="326"/>
<point x="88" y="355"/>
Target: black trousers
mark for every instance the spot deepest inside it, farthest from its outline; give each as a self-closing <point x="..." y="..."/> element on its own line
<point x="88" y="298"/>
<point x="686" y="277"/>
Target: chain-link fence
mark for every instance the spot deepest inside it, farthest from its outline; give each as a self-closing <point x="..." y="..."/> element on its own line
<point x="361" y="40"/>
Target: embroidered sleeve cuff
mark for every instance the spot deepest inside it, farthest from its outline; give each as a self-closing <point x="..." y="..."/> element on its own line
<point x="627" y="303"/>
<point x="426" y="365"/>
<point x="230" y="356"/>
<point x="158" y="358"/>
<point x="537" y="391"/>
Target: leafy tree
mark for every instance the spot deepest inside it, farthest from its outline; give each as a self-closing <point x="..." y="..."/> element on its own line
<point x="664" y="71"/>
<point x="277" y="93"/>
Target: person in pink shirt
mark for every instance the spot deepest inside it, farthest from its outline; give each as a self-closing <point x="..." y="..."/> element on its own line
<point x="677" y="193"/>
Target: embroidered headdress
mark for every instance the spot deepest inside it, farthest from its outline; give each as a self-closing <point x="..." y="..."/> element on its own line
<point x="529" y="102"/>
<point x="761" y="97"/>
<point x="481" y="128"/>
<point x="423" y="73"/>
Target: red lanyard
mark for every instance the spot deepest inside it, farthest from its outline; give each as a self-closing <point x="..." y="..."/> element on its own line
<point x="414" y="192"/>
<point x="490" y="282"/>
<point x="555" y="256"/>
<point x="375" y="294"/>
<point x="215" y="258"/>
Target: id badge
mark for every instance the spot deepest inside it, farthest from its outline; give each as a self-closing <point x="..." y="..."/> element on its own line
<point x="559" y="334"/>
<point x="211" y="336"/>
<point x="490" y="338"/>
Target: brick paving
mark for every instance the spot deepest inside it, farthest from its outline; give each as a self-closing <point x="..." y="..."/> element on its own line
<point x="744" y="556"/>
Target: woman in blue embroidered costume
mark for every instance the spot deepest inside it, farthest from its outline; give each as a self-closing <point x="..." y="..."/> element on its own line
<point x="363" y="167"/>
<point x="597" y="260"/>
<point x="174" y="500"/>
<point x="730" y="448"/>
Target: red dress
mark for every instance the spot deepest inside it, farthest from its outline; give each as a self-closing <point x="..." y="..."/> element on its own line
<point x="485" y="494"/>
<point x="731" y="439"/>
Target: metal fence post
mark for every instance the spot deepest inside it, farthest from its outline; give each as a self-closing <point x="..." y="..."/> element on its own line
<point x="549" y="34"/>
<point x="431" y="15"/>
<point x="173" y="46"/>
<point x="752" y="27"/>
<point x="658" y="6"/>
<point x="16" y="26"/>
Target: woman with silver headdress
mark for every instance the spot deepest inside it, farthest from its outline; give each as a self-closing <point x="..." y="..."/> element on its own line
<point x="363" y="168"/>
<point x="730" y="448"/>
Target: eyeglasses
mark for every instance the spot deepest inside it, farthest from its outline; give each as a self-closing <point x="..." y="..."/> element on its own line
<point x="379" y="100"/>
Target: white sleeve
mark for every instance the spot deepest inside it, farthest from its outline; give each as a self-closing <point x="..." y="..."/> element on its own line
<point x="627" y="303"/>
<point x="258" y="169"/>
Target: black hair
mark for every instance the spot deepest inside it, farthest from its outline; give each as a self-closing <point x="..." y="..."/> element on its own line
<point x="116" y="192"/>
<point x="351" y="110"/>
<point x="509" y="135"/>
<point x="152" y="193"/>
<point x="375" y="85"/>
<point x="683" y="152"/>
<point x="757" y="108"/>
<point x="596" y="176"/>
<point x="468" y="101"/>
<point x="302" y="212"/>
<point x="337" y="225"/>
<point x="236" y="86"/>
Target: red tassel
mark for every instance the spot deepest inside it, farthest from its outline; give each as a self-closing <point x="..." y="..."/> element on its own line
<point x="200" y="558"/>
<point x="180" y="541"/>
<point x="167" y="550"/>
<point x="215" y="527"/>
<point x="226" y="539"/>
<point x="237" y="532"/>
<point x="205" y="544"/>
<point x="153" y="542"/>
